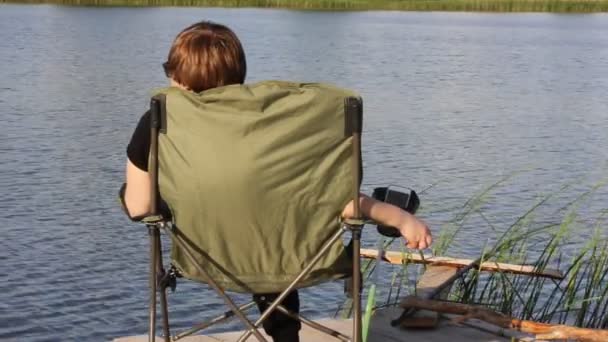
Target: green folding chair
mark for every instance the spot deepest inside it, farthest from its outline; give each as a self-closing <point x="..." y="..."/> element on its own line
<point x="255" y="177"/>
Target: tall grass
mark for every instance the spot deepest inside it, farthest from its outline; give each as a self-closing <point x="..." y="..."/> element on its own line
<point x="562" y="6"/>
<point x="580" y="299"/>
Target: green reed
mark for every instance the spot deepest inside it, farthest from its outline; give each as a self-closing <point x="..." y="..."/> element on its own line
<point x="562" y="6"/>
<point x="580" y="299"/>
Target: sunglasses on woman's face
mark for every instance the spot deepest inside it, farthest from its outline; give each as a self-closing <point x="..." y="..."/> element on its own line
<point x="166" y="69"/>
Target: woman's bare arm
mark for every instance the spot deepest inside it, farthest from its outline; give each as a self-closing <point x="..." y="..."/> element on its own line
<point x="137" y="193"/>
<point x="415" y="231"/>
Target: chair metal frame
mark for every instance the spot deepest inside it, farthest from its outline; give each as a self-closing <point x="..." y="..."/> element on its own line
<point x="158" y="276"/>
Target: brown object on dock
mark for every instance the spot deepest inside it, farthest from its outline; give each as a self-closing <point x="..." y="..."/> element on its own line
<point x="542" y="330"/>
<point x="422" y="319"/>
<point x="400" y="258"/>
<point x="380" y="330"/>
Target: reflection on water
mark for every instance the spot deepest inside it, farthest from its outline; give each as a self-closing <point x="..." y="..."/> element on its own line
<point x="451" y="99"/>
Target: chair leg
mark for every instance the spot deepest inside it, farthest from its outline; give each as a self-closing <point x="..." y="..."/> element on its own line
<point x="154" y="235"/>
<point x="356" y="231"/>
<point x="165" y="313"/>
<point x="160" y="271"/>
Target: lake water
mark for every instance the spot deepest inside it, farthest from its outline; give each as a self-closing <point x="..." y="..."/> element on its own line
<point x="454" y="100"/>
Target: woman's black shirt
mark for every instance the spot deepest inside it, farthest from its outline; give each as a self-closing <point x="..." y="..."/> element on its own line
<point x="138" y="149"/>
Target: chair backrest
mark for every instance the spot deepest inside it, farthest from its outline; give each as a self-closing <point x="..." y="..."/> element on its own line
<point x="256" y="177"/>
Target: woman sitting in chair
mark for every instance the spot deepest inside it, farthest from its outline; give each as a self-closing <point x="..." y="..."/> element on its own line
<point x="207" y="55"/>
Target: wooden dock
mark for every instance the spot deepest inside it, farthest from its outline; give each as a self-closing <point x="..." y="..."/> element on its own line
<point x="380" y="331"/>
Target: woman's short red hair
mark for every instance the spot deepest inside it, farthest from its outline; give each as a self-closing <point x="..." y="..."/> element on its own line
<point x="206" y="55"/>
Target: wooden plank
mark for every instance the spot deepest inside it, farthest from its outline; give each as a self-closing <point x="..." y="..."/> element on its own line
<point x="307" y="334"/>
<point x="380" y="331"/>
<point x="399" y="258"/>
<point x="433" y="277"/>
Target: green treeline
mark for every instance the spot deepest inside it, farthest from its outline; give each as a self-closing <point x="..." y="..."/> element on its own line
<point x="561" y="6"/>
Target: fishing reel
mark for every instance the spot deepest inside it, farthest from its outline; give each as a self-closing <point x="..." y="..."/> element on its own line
<point x="404" y="198"/>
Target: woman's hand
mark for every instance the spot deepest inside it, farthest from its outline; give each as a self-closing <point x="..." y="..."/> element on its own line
<point x="416" y="233"/>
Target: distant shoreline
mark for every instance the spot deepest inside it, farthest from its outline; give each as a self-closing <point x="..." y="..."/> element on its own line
<point x="518" y="6"/>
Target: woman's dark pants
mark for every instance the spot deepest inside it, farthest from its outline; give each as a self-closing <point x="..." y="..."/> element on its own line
<point x="279" y="326"/>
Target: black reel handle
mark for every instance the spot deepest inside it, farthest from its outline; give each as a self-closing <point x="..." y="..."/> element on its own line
<point x="408" y="201"/>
